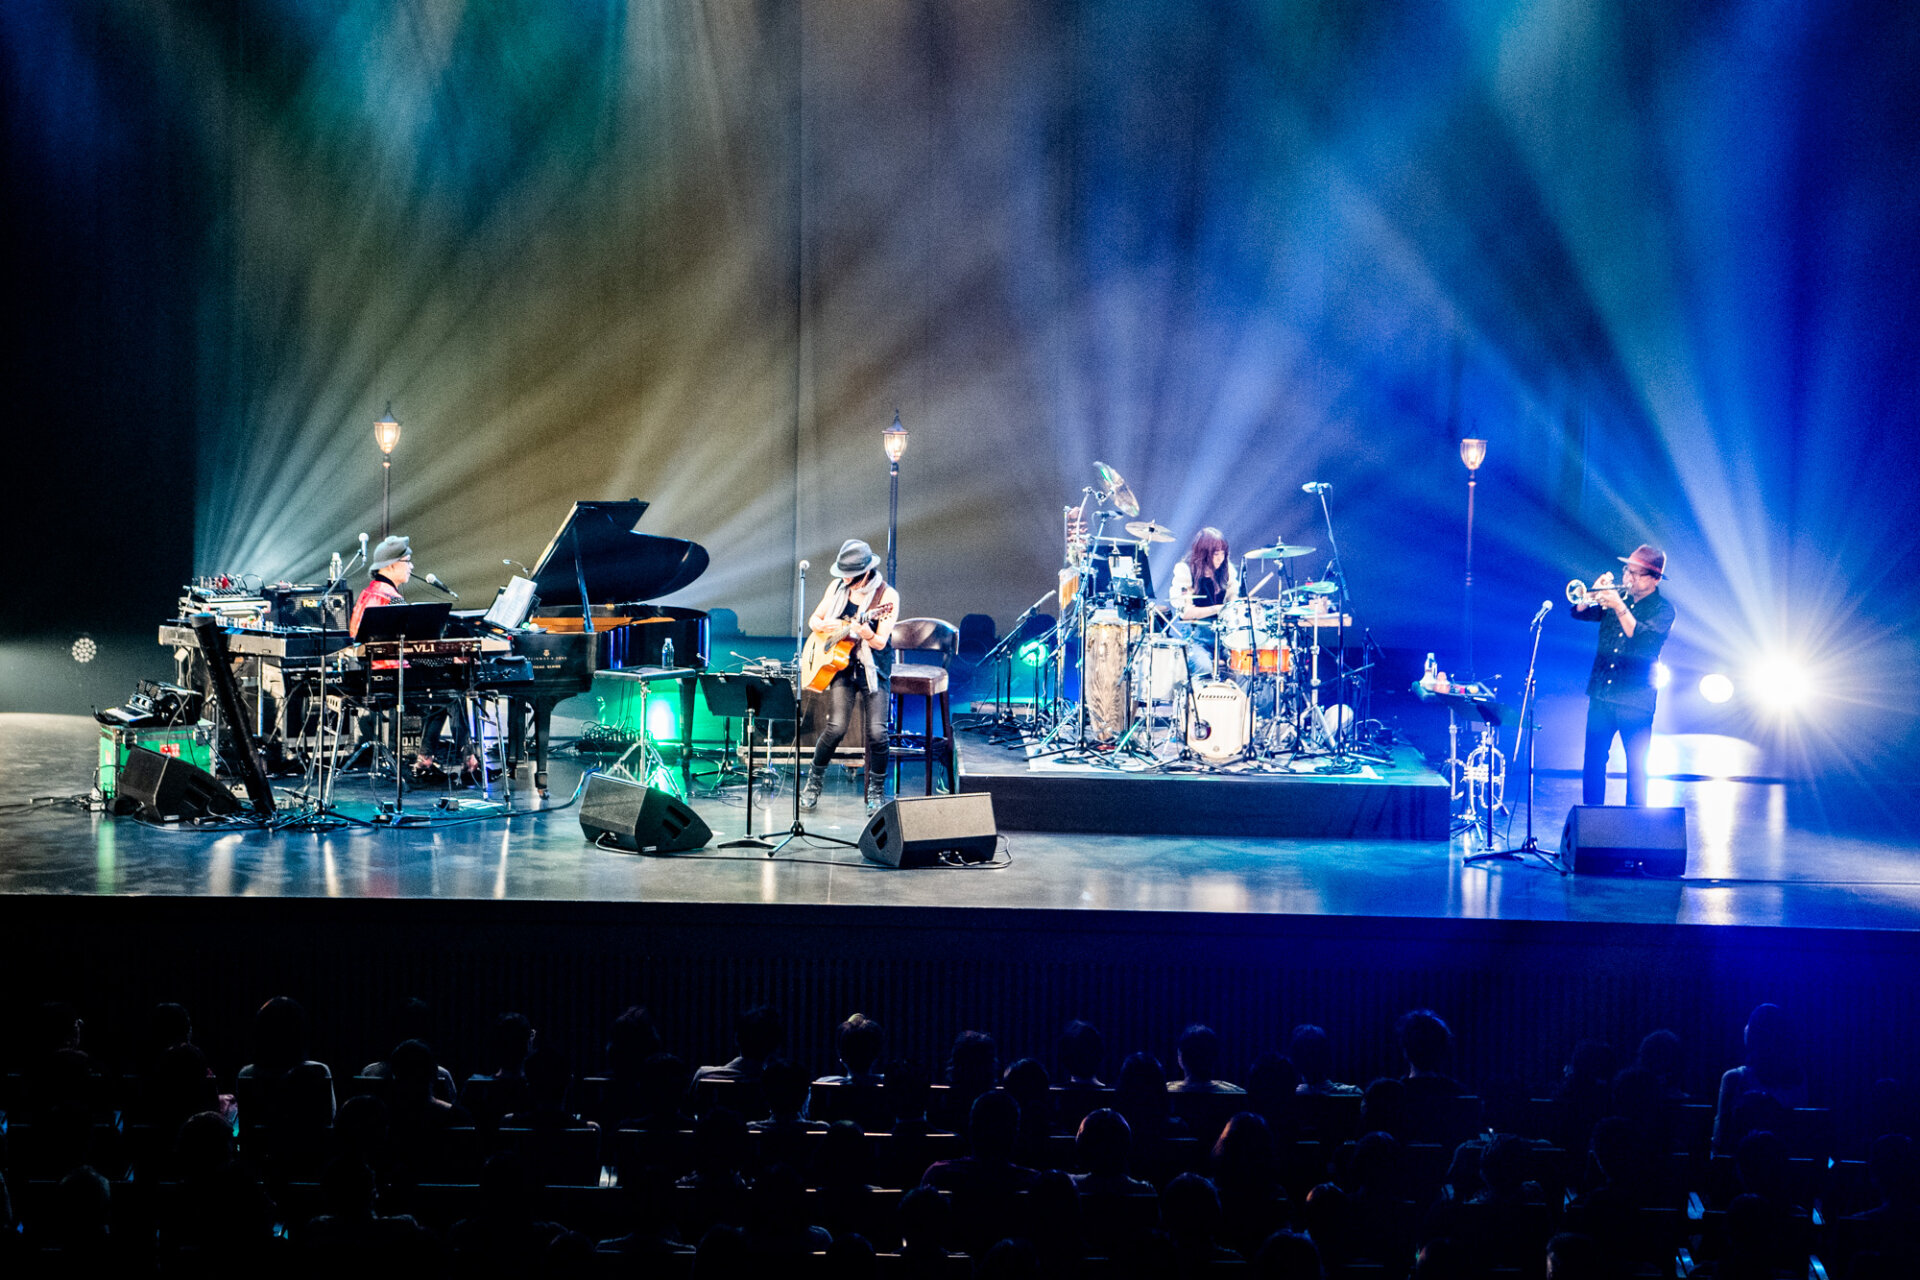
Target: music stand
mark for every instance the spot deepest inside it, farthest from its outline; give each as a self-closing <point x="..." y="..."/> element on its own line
<point x="396" y="624"/>
<point x="734" y="695"/>
<point x="738" y="694"/>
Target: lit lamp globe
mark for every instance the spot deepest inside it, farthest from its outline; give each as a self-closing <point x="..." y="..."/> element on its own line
<point x="894" y="441"/>
<point x="1473" y="453"/>
<point x="386" y="432"/>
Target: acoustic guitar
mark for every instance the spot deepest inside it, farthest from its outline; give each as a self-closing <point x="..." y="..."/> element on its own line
<point x="827" y="652"/>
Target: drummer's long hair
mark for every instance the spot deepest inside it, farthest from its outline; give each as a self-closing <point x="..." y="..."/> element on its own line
<point x="1200" y="557"/>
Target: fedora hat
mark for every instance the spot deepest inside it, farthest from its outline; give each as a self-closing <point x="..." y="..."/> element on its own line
<point x="855" y="558"/>
<point x="1647" y="559"/>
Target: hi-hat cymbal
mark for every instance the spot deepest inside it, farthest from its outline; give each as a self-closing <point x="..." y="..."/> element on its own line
<point x="1313" y="589"/>
<point x="1148" y="531"/>
<point x="1113" y="488"/>
<point x="1280" y="551"/>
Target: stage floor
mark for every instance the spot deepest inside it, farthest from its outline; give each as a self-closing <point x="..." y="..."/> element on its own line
<point x="1760" y="856"/>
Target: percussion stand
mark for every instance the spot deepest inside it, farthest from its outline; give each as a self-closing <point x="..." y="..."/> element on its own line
<point x="1082" y="604"/>
<point x="1144" y="717"/>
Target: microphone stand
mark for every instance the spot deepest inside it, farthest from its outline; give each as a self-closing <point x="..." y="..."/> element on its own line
<point x="327" y="762"/>
<point x="1003" y="717"/>
<point x="1531" y="846"/>
<point x="799" y="828"/>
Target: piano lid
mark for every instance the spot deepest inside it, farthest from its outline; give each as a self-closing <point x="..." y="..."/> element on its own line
<point x="598" y="543"/>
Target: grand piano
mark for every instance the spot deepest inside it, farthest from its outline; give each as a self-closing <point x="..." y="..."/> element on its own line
<point x="593" y="584"/>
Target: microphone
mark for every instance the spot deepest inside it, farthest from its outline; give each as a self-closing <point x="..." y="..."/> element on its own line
<point x="1546" y="607"/>
<point x="1037" y="603"/>
<point x="805" y="565"/>
<point x="433" y="580"/>
<point x="1315" y="486"/>
<point x="363" y="546"/>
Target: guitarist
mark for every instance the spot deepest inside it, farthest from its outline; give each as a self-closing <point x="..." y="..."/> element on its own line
<point x="861" y="596"/>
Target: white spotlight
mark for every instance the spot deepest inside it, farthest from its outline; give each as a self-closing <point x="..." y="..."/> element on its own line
<point x="84" y="649"/>
<point x="1715" y="687"/>
<point x="1662" y="675"/>
<point x="1779" y="684"/>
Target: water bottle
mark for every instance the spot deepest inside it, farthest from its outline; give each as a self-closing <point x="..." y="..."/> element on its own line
<point x="1431" y="676"/>
<point x="666" y="652"/>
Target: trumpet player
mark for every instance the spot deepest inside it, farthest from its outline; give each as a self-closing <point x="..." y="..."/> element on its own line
<point x="1635" y="620"/>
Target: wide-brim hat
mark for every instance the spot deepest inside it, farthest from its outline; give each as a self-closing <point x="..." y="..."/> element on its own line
<point x="1648" y="560"/>
<point x="389" y="550"/>
<point x="855" y="559"/>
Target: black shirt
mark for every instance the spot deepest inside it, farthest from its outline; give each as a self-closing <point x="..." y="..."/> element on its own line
<point x="1623" y="664"/>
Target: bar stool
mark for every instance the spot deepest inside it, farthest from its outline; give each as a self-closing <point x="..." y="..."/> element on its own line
<point x="928" y="683"/>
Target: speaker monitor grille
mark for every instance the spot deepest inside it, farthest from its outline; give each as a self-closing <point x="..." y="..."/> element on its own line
<point x="630" y="816"/>
<point x="916" y="831"/>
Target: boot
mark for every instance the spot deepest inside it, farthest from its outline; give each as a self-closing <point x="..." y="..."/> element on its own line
<point x="876" y="775"/>
<point x="810" y="793"/>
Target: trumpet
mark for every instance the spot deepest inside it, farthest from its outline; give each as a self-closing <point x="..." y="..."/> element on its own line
<point x="1581" y="596"/>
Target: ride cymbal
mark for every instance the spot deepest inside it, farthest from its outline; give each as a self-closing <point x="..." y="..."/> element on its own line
<point x="1148" y="531"/>
<point x="1280" y="551"/>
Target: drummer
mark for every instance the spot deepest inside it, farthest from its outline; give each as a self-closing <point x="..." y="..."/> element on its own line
<point x="1203" y="584"/>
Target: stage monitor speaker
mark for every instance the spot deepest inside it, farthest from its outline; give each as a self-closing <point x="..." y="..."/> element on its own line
<point x="915" y="831"/>
<point x="1603" y="840"/>
<point x="640" y="819"/>
<point x="161" y="788"/>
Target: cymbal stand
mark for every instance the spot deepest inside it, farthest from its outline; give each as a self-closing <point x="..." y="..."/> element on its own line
<point x="1338" y="742"/>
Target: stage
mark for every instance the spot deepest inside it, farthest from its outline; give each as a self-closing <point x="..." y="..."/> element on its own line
<point x="1761" y="854"/>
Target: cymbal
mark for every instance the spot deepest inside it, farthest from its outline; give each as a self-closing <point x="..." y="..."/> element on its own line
<point x="1280" y="551"/>
<point x="1114" y="488"/>
<point x="1148" y="531"/>
<point x="1313" y="589"/>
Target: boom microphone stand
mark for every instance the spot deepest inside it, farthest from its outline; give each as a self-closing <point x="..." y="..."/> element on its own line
<point x="1527" y="726"/>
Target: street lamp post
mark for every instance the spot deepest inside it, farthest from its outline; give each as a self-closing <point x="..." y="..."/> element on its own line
<point x="386" y="434"/>
<point x="1472" y="452"/>
<point x="894" y="441"/>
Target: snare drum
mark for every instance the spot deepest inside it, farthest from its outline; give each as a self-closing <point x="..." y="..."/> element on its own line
<point x="1222" y="721"/>
<point x="1238" y="615"/>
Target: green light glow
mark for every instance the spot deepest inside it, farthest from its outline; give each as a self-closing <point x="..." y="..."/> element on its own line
<point x="663" y="721"/>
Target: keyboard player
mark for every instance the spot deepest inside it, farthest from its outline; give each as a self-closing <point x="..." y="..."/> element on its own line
<point x="390" y="568"/>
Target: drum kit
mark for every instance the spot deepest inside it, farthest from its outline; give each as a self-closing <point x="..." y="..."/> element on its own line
<point x="1133" y="686"/>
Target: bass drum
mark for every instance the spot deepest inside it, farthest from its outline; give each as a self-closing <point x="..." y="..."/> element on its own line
<point x="1105" y="679"/>
<point x="1222" y="721"/>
